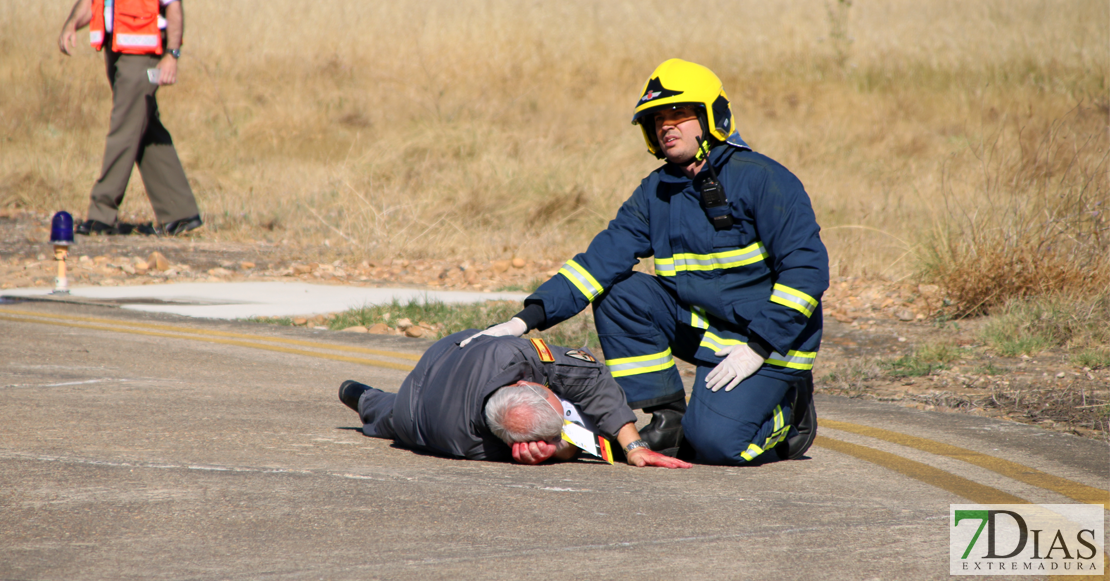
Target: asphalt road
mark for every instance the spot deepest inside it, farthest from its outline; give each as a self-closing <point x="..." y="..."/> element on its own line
<point x="138" y="446"/>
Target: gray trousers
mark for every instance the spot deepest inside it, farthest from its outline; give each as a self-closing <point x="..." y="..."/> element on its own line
<point x="136" y="136"/>
<point x="375" y="409"/>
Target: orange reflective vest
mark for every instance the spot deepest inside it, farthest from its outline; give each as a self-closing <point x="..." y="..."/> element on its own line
<point x="134" y="26"/>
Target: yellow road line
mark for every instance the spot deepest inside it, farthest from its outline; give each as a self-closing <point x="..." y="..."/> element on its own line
<point x="939" y="478"/>
<point x="1074" y="490"/>
<point x="362" y="360"/>
<point x="957" y="485"/>
<point x="145" y="326"/>
<point x="962" y="487"/>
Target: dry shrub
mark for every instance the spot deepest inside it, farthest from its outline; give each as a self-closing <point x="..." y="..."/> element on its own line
<point x="1047" y="322"/>
<point x="1040" y="223"/>
<point x="21" y="190"/>
<point x="1068" y="406"/>
<point x="473" y="130"/>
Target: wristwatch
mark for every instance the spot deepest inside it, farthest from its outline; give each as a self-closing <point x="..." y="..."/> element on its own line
<point x="175" y="53"/>
<point x="636" y="444"/>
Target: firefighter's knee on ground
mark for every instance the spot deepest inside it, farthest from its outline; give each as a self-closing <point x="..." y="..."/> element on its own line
<point x="715" y="438"/>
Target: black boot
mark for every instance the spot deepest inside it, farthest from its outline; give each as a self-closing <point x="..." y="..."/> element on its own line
<point x="664" y="433"/>
<point x="804" y="420"/>
<point x="90" y="227"/>
<point x="182" y="226"/>
<point x="350" y="392"/>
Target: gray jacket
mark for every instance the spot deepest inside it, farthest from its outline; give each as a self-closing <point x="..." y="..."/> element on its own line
<point x="440" y="406"/>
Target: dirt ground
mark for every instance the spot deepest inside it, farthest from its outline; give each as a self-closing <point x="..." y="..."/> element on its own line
<point x="871" y="327"/>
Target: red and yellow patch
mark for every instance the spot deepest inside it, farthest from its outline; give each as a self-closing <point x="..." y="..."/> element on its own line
<point x="543" y="350"/>
<point x="603" y="449"/>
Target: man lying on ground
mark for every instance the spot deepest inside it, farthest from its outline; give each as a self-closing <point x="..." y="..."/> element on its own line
<point x="501" y="398"/>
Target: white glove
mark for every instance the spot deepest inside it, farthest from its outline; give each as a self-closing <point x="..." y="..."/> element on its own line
<point x="514" y="326"/>
<point x="740" y="362"/>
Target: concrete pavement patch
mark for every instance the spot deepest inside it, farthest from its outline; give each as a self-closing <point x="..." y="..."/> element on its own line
<point x="135" y="456"/>
<point x="240" y="300"/>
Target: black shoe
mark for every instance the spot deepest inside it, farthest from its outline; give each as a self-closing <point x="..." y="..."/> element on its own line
<point x="182" y="226"/>
<point x="805" y="425"/>
<point x="350" y="392"/>
<point x="664" y="433"/>
<point x="89" y="227"/>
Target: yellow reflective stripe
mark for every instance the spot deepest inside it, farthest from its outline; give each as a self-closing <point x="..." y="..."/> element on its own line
<point x="721" y="260"/>
<point x="715" y="261"/>
<point x="780" y="434"/>
<point x="802" y="360"/>
<point x="664" y="266"/>
<point x="582" y="279"/>
<point x="794" y="359"/>
<point x="716" y="343"/>
<point x="698" y="318"/>
<point x="794" y="299"/>
<point x="772" y="440"/>
<point x="751" y="453"/>
<point x="776" y="437"/>
<point x="626" y="366"/>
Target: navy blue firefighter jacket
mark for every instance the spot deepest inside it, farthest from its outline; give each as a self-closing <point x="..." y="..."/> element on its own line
<point x="760" y="280"/>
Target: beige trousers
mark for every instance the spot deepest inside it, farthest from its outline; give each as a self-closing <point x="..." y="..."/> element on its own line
<point x="137" y="136"/>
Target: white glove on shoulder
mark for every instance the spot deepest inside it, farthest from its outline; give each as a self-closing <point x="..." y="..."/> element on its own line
<point x="514" y="326"/>
<point x="739" y="363"/>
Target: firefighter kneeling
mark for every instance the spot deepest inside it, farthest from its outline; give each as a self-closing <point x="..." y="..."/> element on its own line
<point x="739" y="273"/>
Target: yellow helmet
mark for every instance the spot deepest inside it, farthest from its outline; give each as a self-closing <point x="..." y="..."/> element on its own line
<point x="676" y="83"/>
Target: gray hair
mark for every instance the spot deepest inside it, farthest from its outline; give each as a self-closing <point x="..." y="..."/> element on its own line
<point x="519" y="413"/>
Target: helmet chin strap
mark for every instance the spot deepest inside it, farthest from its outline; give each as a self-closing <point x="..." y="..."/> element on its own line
<point x="703" y="144"/>
<point x="703" y="153"/>
<point x="703" y="150"/>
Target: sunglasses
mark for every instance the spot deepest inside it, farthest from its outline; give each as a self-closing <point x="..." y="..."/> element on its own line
<point x="674" y="116"/>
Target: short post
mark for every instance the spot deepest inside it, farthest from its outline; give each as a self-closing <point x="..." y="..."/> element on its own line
<point x="61" y="236"/>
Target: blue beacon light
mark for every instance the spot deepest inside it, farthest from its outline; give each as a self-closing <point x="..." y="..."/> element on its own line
<point x="61" y="229"/>
<point x="61" y="236"/>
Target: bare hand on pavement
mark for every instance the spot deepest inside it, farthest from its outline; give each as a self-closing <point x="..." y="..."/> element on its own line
<point x="514" y="326"/>
<point x="739" y="362"/>
<point x="644" y="457"/>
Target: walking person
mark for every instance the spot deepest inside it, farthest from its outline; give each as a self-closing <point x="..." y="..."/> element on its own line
<point x="141" y="41"/>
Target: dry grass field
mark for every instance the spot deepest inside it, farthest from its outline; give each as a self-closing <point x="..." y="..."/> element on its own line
<point x="964" y="143"/>
<point x="961" y="145"/>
